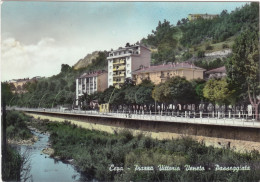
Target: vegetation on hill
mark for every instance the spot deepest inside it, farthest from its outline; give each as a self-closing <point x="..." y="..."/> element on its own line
<point x="169" y="43"/>
<point x="174" y="41"/>
<point x="56" y="90"/>
<point x="88" y="59"/>
<point x="94" y="152"/>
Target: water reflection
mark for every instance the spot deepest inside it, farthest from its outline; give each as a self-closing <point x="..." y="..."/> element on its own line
<point x="43" y="168"/>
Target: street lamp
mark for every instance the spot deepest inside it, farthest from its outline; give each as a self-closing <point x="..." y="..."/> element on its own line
<point x="55" y="98"/>
<point x="41" y="100"/>
<point x="29" y="100"/>
<point x="11" y="100"/>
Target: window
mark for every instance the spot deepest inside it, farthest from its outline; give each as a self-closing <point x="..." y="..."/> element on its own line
<point x="128" y="65"/>
<point x="128" y="71"/>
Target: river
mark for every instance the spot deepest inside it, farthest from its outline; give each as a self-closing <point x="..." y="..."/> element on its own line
<point x="44" y="168"/>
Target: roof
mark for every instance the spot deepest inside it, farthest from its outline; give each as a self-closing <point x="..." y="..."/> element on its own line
<point x="92" y="74"/>
<point x="217" y="70"/>
<point x="168" y="67"/>
<point x="130" y="47"/>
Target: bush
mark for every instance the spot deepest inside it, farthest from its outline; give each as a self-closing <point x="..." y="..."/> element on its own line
<point x="16" y="125"/>
<point x="11" y="165"/>
<point x="208" y="47"/>
<point x="94" y="151"/>
<point x="200" y="54"/>
<point x="225" y="46"/>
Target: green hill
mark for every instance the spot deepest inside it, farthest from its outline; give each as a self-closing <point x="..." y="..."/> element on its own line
<point x="186" y="39"/>
<point x="169" y="43"/>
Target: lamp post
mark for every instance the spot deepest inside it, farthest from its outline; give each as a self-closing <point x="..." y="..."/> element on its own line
<point x="11" y="100"/>
<point x="41" y="100"/>
<point x="29" y="100"/>
<point x="55" y="98"/>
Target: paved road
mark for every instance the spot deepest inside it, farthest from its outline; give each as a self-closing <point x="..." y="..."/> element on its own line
<point x="229" y="121"/>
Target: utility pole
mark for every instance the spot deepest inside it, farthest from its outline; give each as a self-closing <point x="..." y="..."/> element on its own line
<point x="4" y="146"/>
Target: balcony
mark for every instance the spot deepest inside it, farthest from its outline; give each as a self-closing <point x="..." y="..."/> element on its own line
<point x="122" y="61"/>
<point x="119" y="75"/>
<point x="119" y="68"/>
<point x="118" y="82"/>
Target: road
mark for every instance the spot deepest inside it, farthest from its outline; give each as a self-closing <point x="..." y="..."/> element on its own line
<point x="200" y="118"/>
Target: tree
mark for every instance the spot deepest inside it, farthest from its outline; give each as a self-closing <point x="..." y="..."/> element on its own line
<point x="143" y="94"/>
<point x="158" y="93"/>
<point x="217" y="91"/>
<point x="6" y="93"/>
<point x="65" y="68"/>
<point x="243" y="68"/>
<point x="179" y="90"/>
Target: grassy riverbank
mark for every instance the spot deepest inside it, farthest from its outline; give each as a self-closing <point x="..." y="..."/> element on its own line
<point x="16" y="132"/>
<point x="94" y="152"/>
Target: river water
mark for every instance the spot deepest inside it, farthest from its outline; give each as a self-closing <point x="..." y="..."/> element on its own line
<point x="44" y="168"/>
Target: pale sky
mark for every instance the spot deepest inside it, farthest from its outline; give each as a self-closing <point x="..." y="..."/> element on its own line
<point x="37" y="37"/>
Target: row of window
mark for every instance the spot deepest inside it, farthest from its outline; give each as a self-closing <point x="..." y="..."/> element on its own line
<point x="87" y="80"/>
<point x="123" y="52"/>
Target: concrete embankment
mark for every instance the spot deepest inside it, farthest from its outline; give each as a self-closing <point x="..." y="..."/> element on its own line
<point x="238" y="138"/>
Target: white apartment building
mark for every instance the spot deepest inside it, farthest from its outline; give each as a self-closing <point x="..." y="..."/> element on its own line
<point x="90" y="83"/>
<point x="123" y="61"/>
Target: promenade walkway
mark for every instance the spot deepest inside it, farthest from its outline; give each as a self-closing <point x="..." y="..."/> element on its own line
<point x="241" y="120"/>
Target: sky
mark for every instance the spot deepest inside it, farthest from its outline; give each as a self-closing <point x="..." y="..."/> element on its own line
<point x="37" y="37"/>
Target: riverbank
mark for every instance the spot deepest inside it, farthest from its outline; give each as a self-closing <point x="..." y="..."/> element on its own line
<point x="121" y="156"/>
<point x="236" y="145"/>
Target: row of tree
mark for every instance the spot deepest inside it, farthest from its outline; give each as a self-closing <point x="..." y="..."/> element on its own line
<point x="241" y="86"/>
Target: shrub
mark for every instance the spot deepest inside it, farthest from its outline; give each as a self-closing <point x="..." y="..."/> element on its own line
<point x="225" y="46"/>
<point x="208" y="47"/>
<point x="200" y="54"/>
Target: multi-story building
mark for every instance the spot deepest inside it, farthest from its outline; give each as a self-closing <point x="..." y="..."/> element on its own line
<point x="216" y="73"/>
<point x="18" y="85"/>
<point x="160" y="73"/>
<point x="123" y="61"/>
<point x="206" y="16"/>
<point x="90" y="83"/>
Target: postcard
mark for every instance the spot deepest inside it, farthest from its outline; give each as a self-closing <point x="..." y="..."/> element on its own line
<point x="130" y="91"/>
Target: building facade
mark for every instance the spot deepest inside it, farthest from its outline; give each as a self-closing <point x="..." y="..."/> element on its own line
<point x="18" y="85"/>
<point x="160" y="73"/>
<point x="90" y="83"/>
<point x="123" y="61"/>
<point x="216" y="73"/>
<point x="193" y="17"/>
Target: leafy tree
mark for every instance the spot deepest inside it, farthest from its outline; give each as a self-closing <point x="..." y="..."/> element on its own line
<point x="179" y="90"/>
<point x="159" y="95"/>
<point x="6" y="93"/>
<point x="144" y="93"/>
<point x="243" y="68"/>
<point x="65" y="68"/>
<point x="217" y="91"/>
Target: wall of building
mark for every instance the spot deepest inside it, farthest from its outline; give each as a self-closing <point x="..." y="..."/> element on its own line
<point x="155" y="77"/>
<point x="110" y="72"/>
<point x="144" y="59"/>
<point x="102" y="83"/>
<point x="77" y="91"/>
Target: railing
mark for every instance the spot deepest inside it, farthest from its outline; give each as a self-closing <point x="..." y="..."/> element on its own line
<point x="119" y="75"/>
<point x="120" y="68"/>
<point x="212" y="118"/>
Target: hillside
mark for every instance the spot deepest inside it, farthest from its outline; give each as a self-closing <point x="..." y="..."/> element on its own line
<point x="199" y="41"/>
<point x="88" y="59"/>
<point x="194" y="39"/>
